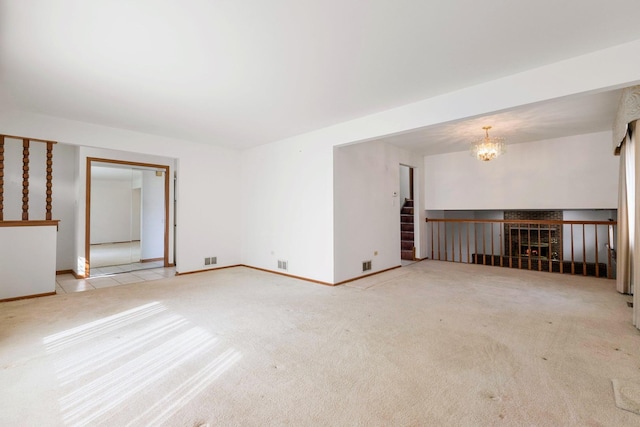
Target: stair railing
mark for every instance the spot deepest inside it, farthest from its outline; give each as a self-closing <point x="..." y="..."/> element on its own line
<point x="575" y="247"/>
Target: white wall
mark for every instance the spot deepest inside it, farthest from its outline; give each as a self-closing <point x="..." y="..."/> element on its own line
<point x="27" y="265"/>
<point x="367" y="203"/>
<point x="152" y="234"/>
<point x="287" y="208"/>
<point x="286" y="187"/>
<point x="110" y="210"/>
<point x="63" y="187"/>
<point x="65" y="171"/>
<point x="577" y="172"/>
<point x="208" y="182"/>
<point x="136" y="212"/>
<point x="405" y="184"/>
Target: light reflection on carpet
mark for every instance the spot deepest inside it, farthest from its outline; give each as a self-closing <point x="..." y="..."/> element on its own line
<point x="134" y="363"/>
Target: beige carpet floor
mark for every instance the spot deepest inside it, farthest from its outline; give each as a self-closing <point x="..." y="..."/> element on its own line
<point x="432" y="343"/>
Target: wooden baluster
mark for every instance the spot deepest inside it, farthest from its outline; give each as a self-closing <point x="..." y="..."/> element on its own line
<point x="597" y="266"/>
<point x="25" y="179"/>
<point x="609" y="272"/>
<point x="446" y="252"/>
<point x="453" y="242"/>
<point x="539" y="250"/>
<point x="560" y="232"/>
<point x="501" y="245"/>
<point x="484" y="245"/>
<point x="492" y="250"/>
<point x="475" y="242"/>
<point x="550" y="254"/>
<point x="519" y="247"/>
<point x="573" y="267"/>
<point x="49" y="179"/>
<point x="439" y="259"/>
<point x="584" y="253"/>
<point x="529" y="245"/>
<point x="432" y="251"/>
<point x="460" y="243"/>
<point x="1" y="177"/>
<point x="510" y="248"/>
<point x="468" y="245"/>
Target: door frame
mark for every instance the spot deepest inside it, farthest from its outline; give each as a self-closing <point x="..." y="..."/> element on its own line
<point x="87" y="231"/>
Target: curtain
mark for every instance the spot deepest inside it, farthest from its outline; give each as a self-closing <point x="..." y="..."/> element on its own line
<point x="633" y="256"/>
<point x="625" y="237"/>
<point x="625" y="143"/>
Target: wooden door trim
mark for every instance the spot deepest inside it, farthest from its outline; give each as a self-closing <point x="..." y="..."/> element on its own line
<point x="87" y="225"/>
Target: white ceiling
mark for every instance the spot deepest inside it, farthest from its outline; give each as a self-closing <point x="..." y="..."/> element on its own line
<point x="247" y="72"/>
<point x="535" y="122"/>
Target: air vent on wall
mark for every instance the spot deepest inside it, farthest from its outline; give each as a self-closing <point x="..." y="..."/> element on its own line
<point x="282" y="265"/>
<point x="366" y="265"/>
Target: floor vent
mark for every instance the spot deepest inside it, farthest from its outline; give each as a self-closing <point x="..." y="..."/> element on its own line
<point x="282" y="265"/>
<point x="366" y="265"/>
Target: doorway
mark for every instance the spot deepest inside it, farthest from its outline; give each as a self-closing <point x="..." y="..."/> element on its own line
<point x="407" y="217"/>
<point x="127" y="216"/>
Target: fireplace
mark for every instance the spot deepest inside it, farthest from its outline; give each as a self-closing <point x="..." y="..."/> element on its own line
<point x="538" y="242"/>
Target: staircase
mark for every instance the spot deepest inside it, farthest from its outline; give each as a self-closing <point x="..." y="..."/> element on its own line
<point x="407" y="250"/>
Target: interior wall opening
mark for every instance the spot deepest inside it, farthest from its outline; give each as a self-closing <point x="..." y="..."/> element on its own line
<point x="127" y="216"/>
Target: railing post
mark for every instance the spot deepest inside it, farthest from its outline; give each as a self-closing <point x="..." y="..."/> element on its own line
<point x="25" y="179"/>
<point x="460" y="243"/>
<point x="475" y="242"/>
<point x="539" y="250"/>
<point x="439" y="241"/>
<point x="597" y="261"/>
<point x="584" y="253"/>
<point x="446" y="252"/>
<point x="573" y="266"/>
<point x="432" y="252"/>
<point x="484" y="246"/>
<point x="501" y="245"/>
<point x="492" y="250"/>
<point x="609" y="235"/>
<point x="468" y="245"/>
<point x="529" y="245"/>
<point x="510" y="249"/>
<point x="49" y="179"/>
<point x="550" y="252"/>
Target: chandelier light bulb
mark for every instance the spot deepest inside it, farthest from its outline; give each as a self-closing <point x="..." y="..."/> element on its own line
<point x="487" y="148"/>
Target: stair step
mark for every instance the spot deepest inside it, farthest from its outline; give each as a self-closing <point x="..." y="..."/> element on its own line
<point x="406" y="235"/>
<point x="407" y="210"/>
<point x="408" y="203"/>
<point x="406" y="227"/>
<point x="407" y="255"/>
<point x="406" y="245"/>
<point x="406" y="219"/>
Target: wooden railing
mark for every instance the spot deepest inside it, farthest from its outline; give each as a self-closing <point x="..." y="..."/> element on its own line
<point x="25" y="177"/>
<point x="575" y="247"/>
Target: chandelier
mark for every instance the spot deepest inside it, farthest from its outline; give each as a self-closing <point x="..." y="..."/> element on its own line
<point x="487" y="148"/>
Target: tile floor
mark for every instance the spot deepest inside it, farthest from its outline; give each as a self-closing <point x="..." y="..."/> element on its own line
<point x="125" y="268"/>
<point x="67" y="283"/>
